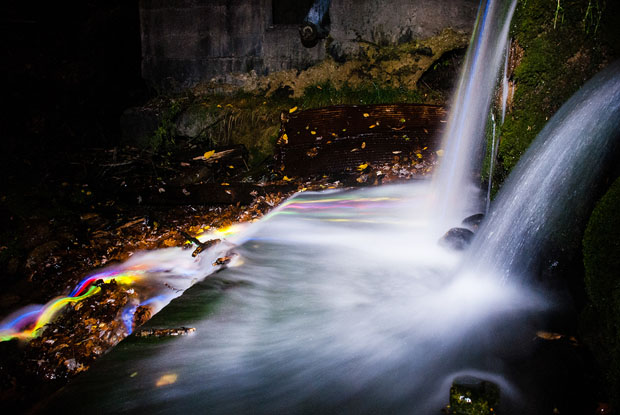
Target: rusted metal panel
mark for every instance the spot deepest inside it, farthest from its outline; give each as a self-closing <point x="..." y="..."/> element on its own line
<point x="338" y="139"/>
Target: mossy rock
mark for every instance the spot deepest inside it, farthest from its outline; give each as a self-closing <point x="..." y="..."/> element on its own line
<point x="557" y="47"/>
<point x="473" y="396"/>
<point x="601" y="318"/>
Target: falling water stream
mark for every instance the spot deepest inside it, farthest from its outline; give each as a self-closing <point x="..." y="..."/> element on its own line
<point x="344" y="302"/>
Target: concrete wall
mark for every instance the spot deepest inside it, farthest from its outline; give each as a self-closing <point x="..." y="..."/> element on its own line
<point x="188" y="41"/>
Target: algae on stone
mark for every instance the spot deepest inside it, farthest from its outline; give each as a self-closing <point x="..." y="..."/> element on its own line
<point x="549" y="65"/>
<point x="601" y="256"/>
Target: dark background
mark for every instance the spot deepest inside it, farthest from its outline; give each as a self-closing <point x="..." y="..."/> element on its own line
<point x="69" y="70"/>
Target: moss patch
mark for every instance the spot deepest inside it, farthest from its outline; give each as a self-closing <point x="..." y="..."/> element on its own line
<point x="555" y="50"/>
<point x="601" y="318"/>
<point x="395" y="66"/>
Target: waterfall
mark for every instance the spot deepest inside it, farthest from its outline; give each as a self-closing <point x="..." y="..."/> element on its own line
<point x="491" y="162"/>
<point x="465" y="133"/>
<point x="343" y="302"/>
<point x="553" y="185"/>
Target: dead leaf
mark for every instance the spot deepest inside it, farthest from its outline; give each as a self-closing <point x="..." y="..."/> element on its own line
<point x="129" y="224"/>
<point x="167" y="379"/>
<point x="208" y="154"/>
<point x="545" y="335"/>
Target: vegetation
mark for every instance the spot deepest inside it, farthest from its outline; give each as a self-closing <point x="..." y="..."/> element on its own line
<point x="557" y="46"/>
<point x="253" y="120"/>
<point x="601" y="318"/>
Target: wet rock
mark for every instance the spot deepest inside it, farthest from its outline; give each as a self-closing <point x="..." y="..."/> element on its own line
<point x="471" y="395"/>
<point x="456" y="238"/>
<point x="473" y="222"/>
<point x="142" y="314"/>
<point x="181" y="331"/>
<point x="424" y="50"/>
<point x="40" y="254"/>
<point x="194" y="121"/>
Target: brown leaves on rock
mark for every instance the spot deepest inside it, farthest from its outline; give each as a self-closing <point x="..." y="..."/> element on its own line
<point x="82" y="333"/>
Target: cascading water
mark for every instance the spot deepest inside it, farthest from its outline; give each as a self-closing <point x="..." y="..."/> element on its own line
<point x="343" y="302"/>
<point x="551" y="190"/>
<point x="456" y="190"/>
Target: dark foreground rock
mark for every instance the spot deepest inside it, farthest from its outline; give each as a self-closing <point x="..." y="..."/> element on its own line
<point x="457" y="238"/>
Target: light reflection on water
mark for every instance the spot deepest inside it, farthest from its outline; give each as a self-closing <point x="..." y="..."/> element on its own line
<point x="342" y="308"/>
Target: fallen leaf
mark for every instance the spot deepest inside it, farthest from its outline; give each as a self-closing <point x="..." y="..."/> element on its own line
<point x="372" y="126"/>
<point x="545" y="335"/>
<point x="130" y="224"/>
<point x="208" y="154"/>
<point x="225" y="184"/>
<point x="285" y="138"/>
<point x="313" y="132"/>
<point x="362" y="166"/>
<point x="366" y="115"/>
<point x="364" y="144"/>
<point x="286" y="179"/>
<point x="292" y="110"/>
<point x="167" y="379"/>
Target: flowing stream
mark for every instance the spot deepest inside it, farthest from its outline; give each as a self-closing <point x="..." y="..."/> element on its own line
<point x="344" y="302"/>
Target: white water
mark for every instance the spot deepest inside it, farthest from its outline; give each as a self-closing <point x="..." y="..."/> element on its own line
<point x="346" y="304"/>
<point x="552" y="187"/>
<point x="463" y="141"/>
<point x="343" y="302"/>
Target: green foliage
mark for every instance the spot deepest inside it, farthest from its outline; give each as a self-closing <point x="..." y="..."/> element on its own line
<point x="561" y="47"/>
<point x="474" y="399"/>
<point x="594" y="13"/>
<point x="163" y="137"/>
<point x="601" y="256"/>
<point x="325" y="94"/>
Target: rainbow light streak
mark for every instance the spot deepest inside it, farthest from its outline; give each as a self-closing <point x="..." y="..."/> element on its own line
<point x="129" y="311"/>
<point x="127" y="317"/>
<point x="121" y="277"/>
<point x="223" y="232"/>
<point x="17" y="328"/>
<point x="55" y="306"/>
<point x="333" y="203"/>
<point x="26" y="324"/>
